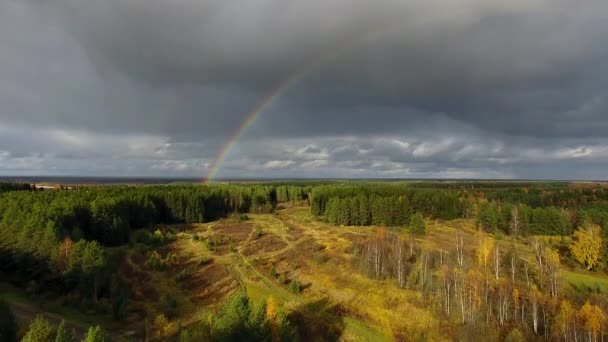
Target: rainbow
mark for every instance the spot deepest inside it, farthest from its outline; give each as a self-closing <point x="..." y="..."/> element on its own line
<point x="266" y="102"/>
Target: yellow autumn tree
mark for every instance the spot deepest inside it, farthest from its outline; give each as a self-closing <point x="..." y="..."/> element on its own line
<point x="587" y="246"/>
<point x="592" y="318"/>
<point x="484" y="249"/>
<point x="271" y="314"/>
<point x="562" y="324"/>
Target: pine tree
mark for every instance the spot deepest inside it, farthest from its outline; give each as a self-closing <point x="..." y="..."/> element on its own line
<point x="39" y="330"/>
<point x="95" y="334"/>
<point x="63" y="335"/>
<point x="417" y="225"/>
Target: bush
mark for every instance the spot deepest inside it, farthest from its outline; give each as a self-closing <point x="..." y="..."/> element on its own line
<point x="170" y="302"/>
<point x="258" y="233"/>
<point x="294" y="286"/>
<point x="243" y="218"/>
<point x="205" y="261"/>
<point x="156" y="262"/>
<point x="320" y="257"/>
<point x="273" y="272"/>
<point x="183" y="275"/>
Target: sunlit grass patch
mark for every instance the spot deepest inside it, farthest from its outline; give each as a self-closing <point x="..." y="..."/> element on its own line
<point x="585" y="279"/>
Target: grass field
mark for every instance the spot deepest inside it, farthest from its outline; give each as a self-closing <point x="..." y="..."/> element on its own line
<point x="581" y="278"/>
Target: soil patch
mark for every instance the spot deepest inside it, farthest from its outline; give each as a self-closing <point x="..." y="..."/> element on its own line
<point x="265" y="244"/>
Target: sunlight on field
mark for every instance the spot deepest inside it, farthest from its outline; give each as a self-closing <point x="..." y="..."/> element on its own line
<point x="591" y="280"/>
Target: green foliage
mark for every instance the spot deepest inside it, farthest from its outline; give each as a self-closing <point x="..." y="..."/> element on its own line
<point x="273" y="272"/>
<point x="39" y="330"/>
<point x="183" y="275"/>
<point x="241" y="320"/>
<point x="243" y="218"/>
<point x="63" y="335"/>
<point x="156" y="262"/>
<point x="294" y="286"/>
<point x="258" y="233"/>
<point x="417" y="225"/>
<point x="95" y="334"/>
<point x="205" y="261"/>
<point x="8" y="323"/>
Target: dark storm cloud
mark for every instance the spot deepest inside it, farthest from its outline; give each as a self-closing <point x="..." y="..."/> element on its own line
<point x="531" y="68"/>
<point x="388" y="87"/>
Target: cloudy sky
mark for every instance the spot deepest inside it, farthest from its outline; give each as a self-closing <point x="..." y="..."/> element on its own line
<point x="385" y="88"/>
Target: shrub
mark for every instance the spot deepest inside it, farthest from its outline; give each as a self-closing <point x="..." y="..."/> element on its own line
<point x="205" y="261"/>
<point x="243" y="218"/>
<point x="170" y="302"/>
<point x="294" y="286"/>
<point x="320" y="257"/>
<point x="183" y="275"/>
<point x="273" y="272"/>
<point x="258" y="233"/>
<point x="156" y="262"/>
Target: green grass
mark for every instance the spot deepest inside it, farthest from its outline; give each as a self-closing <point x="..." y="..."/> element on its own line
<point x="362" y="332"/>
<point x="592" y="280"/>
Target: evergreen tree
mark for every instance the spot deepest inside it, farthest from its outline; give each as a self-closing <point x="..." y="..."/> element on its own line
<point x="63" y="335"/>
<point x="417" y="225"/>
<point x="39" y="330"/>
<point x="95" y="334"/>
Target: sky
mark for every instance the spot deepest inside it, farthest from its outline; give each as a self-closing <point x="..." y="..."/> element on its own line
<point x="382" y="89"/>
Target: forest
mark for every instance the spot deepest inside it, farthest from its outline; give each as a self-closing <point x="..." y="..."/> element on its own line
<point x="507" y="265"/>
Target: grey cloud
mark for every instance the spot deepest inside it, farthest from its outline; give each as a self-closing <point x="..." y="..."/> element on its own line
<point x="386" y="88"/>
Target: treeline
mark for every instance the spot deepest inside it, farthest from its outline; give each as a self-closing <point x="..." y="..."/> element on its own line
<point x="524" y="220"/>
<point x="382" y="204"/>
<point x="547" y="209"/>
<point x="6" y="187"/>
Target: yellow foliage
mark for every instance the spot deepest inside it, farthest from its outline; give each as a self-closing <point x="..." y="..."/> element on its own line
<point x="271" y="314"/>
<point x="163" y="327"/>
<point x="592" y="318"/>
<point x="587" y="246"/>
<point x="484" y="249"/>
<point x="563" y="319"/>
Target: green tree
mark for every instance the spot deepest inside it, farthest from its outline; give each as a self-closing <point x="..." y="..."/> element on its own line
<point x="95" y="334"/>
<point x="417" y="225"/>
<point x="8" y="323"/>
<point x="63" y="335"/>
<point x="39" y="330"/>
